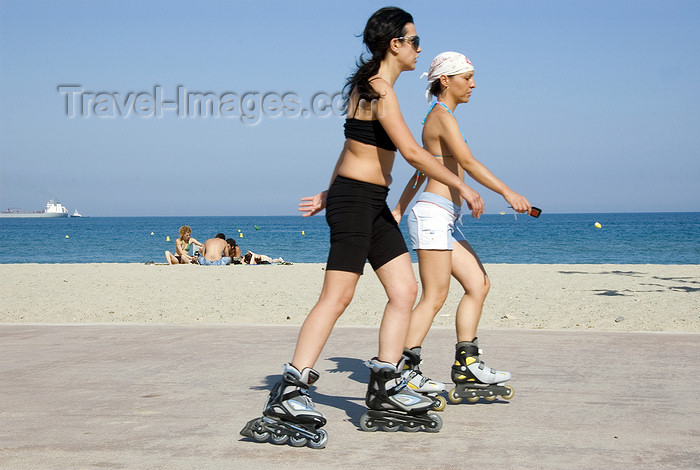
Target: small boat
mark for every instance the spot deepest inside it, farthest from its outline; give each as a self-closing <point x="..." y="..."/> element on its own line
<point x="76" y="214"/>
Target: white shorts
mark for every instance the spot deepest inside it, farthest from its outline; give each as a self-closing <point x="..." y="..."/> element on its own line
<point x="431" y="223"/>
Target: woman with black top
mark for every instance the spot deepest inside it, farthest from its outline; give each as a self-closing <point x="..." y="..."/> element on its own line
<point x="363" y="228"/>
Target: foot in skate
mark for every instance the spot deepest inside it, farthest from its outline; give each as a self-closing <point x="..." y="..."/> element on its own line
<point x="392" y="404"/>
<point x="416" y="381"/>
<point x="289" y="414"/>
<point x="473" y="379"/>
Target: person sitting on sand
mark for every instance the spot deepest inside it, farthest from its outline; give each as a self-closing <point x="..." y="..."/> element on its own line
<point x="215" y="252"/>
<point x="234" y="250"/>
<point x="254" y="258"/>
<point x="182" y="247"/>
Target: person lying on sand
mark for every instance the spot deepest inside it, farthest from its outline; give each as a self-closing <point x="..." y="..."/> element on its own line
<point x="254" y="258"/>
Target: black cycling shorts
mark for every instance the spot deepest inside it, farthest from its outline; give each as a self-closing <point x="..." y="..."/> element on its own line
<point x="362" y="227"/>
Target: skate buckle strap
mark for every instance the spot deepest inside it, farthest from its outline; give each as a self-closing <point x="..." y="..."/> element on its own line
<point x="313" y="376"/>
<point x="401" y="385"/>
<point x="482" y="366"/>
<point x="389" y="375"/>
<point x="416" y="373"/>
<point x="388" y="372"/>
<point x="303" y="398"/>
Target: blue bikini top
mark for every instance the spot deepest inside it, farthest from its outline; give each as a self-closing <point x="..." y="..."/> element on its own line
<point x="449" y="111"/>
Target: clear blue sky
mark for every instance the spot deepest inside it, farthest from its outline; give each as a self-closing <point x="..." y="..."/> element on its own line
<point x="581" y="106"/>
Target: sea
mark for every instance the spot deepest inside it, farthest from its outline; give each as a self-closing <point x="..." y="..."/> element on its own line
<point x="615" y="238"/>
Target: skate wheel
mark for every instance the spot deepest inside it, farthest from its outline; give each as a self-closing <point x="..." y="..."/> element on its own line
<point x="297" y="440"/>
<point x="435" y="423"/>
<point x="319" y="440"/>
<point x="279" y="439"/>
<point x="257" y="431"/>
<point x="472" y="399"/>
<point x="510" y="394"/>
<point x="260" y="436"/>
<point x="490" y="398"/>
<point x="411" y="426"/>
<point x="391" y="426"/>
<point x="439" y="403"/>
<point x="367" y="423"/>
<point x="454" y="398"/>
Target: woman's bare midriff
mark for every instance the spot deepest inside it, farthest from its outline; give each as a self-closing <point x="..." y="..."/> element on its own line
<point x="364" y="162"/>
<point x="440" y="189"/>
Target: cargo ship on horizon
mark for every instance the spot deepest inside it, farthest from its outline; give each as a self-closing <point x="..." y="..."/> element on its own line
<point x="53" y="210"/>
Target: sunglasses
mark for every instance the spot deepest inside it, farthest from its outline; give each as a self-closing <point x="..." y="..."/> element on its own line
<point x="414" y="40"/>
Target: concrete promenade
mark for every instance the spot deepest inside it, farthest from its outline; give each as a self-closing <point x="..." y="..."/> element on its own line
<point x="176" y="397"/>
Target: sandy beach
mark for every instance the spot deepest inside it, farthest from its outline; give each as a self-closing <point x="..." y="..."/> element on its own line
<point x="529" y="296"/>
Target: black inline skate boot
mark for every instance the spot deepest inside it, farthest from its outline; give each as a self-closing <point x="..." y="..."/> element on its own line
<point x="392" y="404"/>
<point x="289" y="414"/>
<point x="416" y="381"/>
<point x="473" y="379"/>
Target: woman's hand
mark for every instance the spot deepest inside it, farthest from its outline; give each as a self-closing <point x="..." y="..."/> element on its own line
<point x="474" y="201"/>
<point x="313" y="204"/>
<point x="517" y="202"/>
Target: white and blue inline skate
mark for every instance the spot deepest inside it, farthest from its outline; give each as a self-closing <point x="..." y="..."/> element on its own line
<point x="473" y="379"/>
<point x="289" y="414"/>
<point x="392" y="404"/>
<point x="416" y="381"/>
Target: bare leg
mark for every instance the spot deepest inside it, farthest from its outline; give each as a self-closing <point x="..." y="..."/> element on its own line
<point x="400" y="285"/>
<point x="435" y="268"/>
<point x="263" y="258"/>
<point x="338" y="290"/>
<point x="170" y="258"/>
<point x="468" y="270"/>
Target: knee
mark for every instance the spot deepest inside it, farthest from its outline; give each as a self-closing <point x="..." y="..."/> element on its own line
<point x="479" y="290"/>
<point x="344" y="300"/>
<point x="404" y="294"/>
<point x="336" y="301"/>
<point x="485" y="287"/>
<point x="412" y="292"/>
<point x="435" y="300"/>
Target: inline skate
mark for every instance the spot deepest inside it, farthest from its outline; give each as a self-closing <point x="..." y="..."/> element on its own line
<point x="392" y="404"/>
<point x="289" y="414"/>
<point x="473" y="379"/>
<point x="416" y="381"/>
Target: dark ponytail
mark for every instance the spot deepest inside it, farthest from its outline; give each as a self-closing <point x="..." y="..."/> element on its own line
<point x="436" y="89"/>
<point x="383" y="26"/>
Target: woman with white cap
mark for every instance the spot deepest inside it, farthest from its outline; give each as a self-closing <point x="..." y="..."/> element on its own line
<point x="440" y="246"/>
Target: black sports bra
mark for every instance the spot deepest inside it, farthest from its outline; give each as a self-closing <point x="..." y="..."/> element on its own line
<point x="368" y="132"/>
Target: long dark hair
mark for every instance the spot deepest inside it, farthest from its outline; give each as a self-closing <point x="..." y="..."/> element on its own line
<point x="383" y="26"/>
